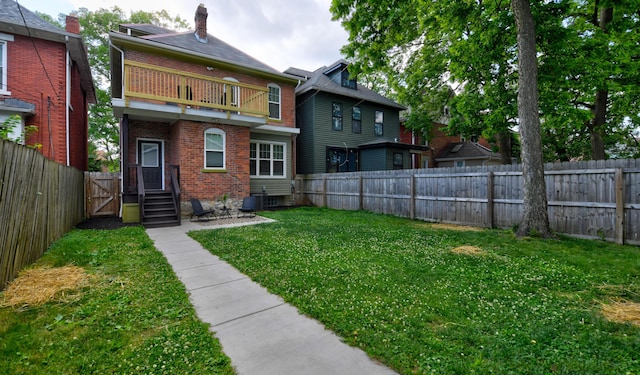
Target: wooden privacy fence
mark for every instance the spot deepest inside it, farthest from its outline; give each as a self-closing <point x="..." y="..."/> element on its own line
<point x="40" y="200"/>
<point x="595" y="199"/>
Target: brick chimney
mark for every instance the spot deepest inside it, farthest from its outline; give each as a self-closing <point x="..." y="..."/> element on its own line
<point x="201" y="23"/>
<point x="72" y="25"/>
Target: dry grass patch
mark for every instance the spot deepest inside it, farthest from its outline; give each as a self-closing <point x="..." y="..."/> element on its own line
<point x="468" y="250"/>
<point x="37" y="286"/>
<point x="453" y="227"/>
<point x="622" y="312"/>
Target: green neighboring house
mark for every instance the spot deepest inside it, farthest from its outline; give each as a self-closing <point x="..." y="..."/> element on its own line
<point x="346" y="127"/>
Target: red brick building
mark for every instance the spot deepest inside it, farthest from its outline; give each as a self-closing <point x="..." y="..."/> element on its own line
<point x="45" y="79"/>
<point x="475" y="150"/>
<point x="201" y="118"/>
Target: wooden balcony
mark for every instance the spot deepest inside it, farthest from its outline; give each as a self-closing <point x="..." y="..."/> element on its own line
<point x="159" y="86"/>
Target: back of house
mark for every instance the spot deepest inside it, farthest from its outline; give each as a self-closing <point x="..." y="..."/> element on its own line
<point x="199" y="117"/>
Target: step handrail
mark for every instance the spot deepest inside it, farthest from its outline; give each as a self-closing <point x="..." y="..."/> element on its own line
<point x="175" y="190"/>
<point x="141" y="194"/>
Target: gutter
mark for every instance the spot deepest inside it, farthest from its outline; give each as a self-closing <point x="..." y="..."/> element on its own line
<point x="121" y="69"/>
<point x="68" y="103"/>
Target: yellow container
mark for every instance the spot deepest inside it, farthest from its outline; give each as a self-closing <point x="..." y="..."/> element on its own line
<point x="130" y="213"/>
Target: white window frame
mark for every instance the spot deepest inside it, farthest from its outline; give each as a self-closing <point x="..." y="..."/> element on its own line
<point x="4" y="85"/>
<point x="235" y="92"/>
<point x="257" y="159"/>
<point x="279" y="102"/>
<point x="224" y="148"/>
<point x="17" y="132"/>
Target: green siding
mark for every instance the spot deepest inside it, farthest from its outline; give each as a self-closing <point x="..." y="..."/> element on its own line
<point x="373" y="159"/>
<point x="304" y="119"/>
<point x="314" y="115"/>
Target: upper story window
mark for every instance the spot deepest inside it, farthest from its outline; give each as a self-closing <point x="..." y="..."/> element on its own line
<point x="347" y="81"/>
<point x="378" y="126"/>
<point x="356" y="120"/>
<point x="274" y="101"/>
<point x="13" y="127"/>
<point x="214" y="148"/>
<point x="336" y="116"/>
<point x="4" y="39"/>
<point x="231" y="93"/>
<point x="267" y="159"/>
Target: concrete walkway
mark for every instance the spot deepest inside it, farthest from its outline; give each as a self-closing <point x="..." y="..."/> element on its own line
<point x="259" y="331"/>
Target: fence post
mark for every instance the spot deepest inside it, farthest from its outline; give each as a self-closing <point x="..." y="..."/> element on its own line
<point x="324" y="191"/>
<point x="490" y="200"/>
<point x="619" y="177"/>
<point x="361" y="193"/>
<point x="412" y="199"/>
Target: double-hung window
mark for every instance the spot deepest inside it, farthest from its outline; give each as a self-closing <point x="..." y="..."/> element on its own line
<point x="274" y="101"/>
<point x="336" y="116"/>
<point x="4" y="39"/>
<point x="267" y="159"/>
<point x="214" y="149"/>
<point x="378" y="127"/>
<point x="356" y="120"/>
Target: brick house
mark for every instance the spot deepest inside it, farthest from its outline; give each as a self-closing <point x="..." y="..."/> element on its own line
<point x="199" y="119"/>
<point x="444" y="150"/>
<point x="45" y="78"/>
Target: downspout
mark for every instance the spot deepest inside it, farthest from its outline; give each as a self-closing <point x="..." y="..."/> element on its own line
<point x="68" y="102"/>
<point x="124" y="128"/>
<point x="121" y="67"/>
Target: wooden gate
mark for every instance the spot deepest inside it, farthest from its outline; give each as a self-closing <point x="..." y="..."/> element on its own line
<point x="102" y="194"/>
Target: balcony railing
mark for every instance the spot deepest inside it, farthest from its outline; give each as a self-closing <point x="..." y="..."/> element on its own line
<point x="160" y="85"/>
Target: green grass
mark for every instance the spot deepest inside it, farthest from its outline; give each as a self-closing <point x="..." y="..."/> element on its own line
<point x="134" y="318"/>
<point x="394" y="288"/>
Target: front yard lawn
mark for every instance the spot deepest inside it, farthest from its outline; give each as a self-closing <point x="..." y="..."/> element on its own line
<point x="425" y="299"/>
<point x="127" y="314"/>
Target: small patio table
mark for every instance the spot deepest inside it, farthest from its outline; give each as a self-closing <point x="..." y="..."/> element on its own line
<point x="226" y="213"/>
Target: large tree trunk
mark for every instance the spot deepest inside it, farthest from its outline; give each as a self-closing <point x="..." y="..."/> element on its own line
<point x="597" y="128"/>
<point x="504" y="144"/>
<point x="535" y="218"/>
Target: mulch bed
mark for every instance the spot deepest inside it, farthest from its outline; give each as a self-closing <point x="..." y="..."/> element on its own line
<point x="104" y="223"/>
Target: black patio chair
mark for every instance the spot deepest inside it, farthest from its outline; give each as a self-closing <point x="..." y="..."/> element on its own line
<point x="248" y="208"/>
<point x="199" y="213"/>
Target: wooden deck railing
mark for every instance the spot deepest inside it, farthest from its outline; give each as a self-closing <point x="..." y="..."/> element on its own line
<point x="173" y="87"/>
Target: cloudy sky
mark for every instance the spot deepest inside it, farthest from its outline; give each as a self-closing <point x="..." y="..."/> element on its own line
<point x="280" y="33"/>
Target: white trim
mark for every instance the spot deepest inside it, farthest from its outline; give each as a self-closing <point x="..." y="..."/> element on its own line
<point x="257" y="159"/>
<point x="4" y="87"/>
<point x="138" y="140"/>
<point x="235" y="91"/>
<point x="269" y="86"/>
<point x="271" y="129"/>
<point x="224" y="148"/>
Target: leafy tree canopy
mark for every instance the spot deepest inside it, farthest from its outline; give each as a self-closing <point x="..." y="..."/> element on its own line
<point x="463" y="54"/>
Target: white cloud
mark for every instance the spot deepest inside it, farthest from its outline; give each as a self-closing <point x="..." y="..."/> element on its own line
<point x="280" y="33"/>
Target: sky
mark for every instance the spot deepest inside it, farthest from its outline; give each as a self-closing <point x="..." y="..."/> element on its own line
<point x="280" y="33"/>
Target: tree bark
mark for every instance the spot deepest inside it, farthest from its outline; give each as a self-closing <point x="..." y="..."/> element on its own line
<point x="596" y="129"/>
<point x="535" y="220"/>
<point x="504" y="142"/>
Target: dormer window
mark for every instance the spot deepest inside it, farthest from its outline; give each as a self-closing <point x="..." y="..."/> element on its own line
<point x="339" y="73"/>
<point x="347" y="81"/>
